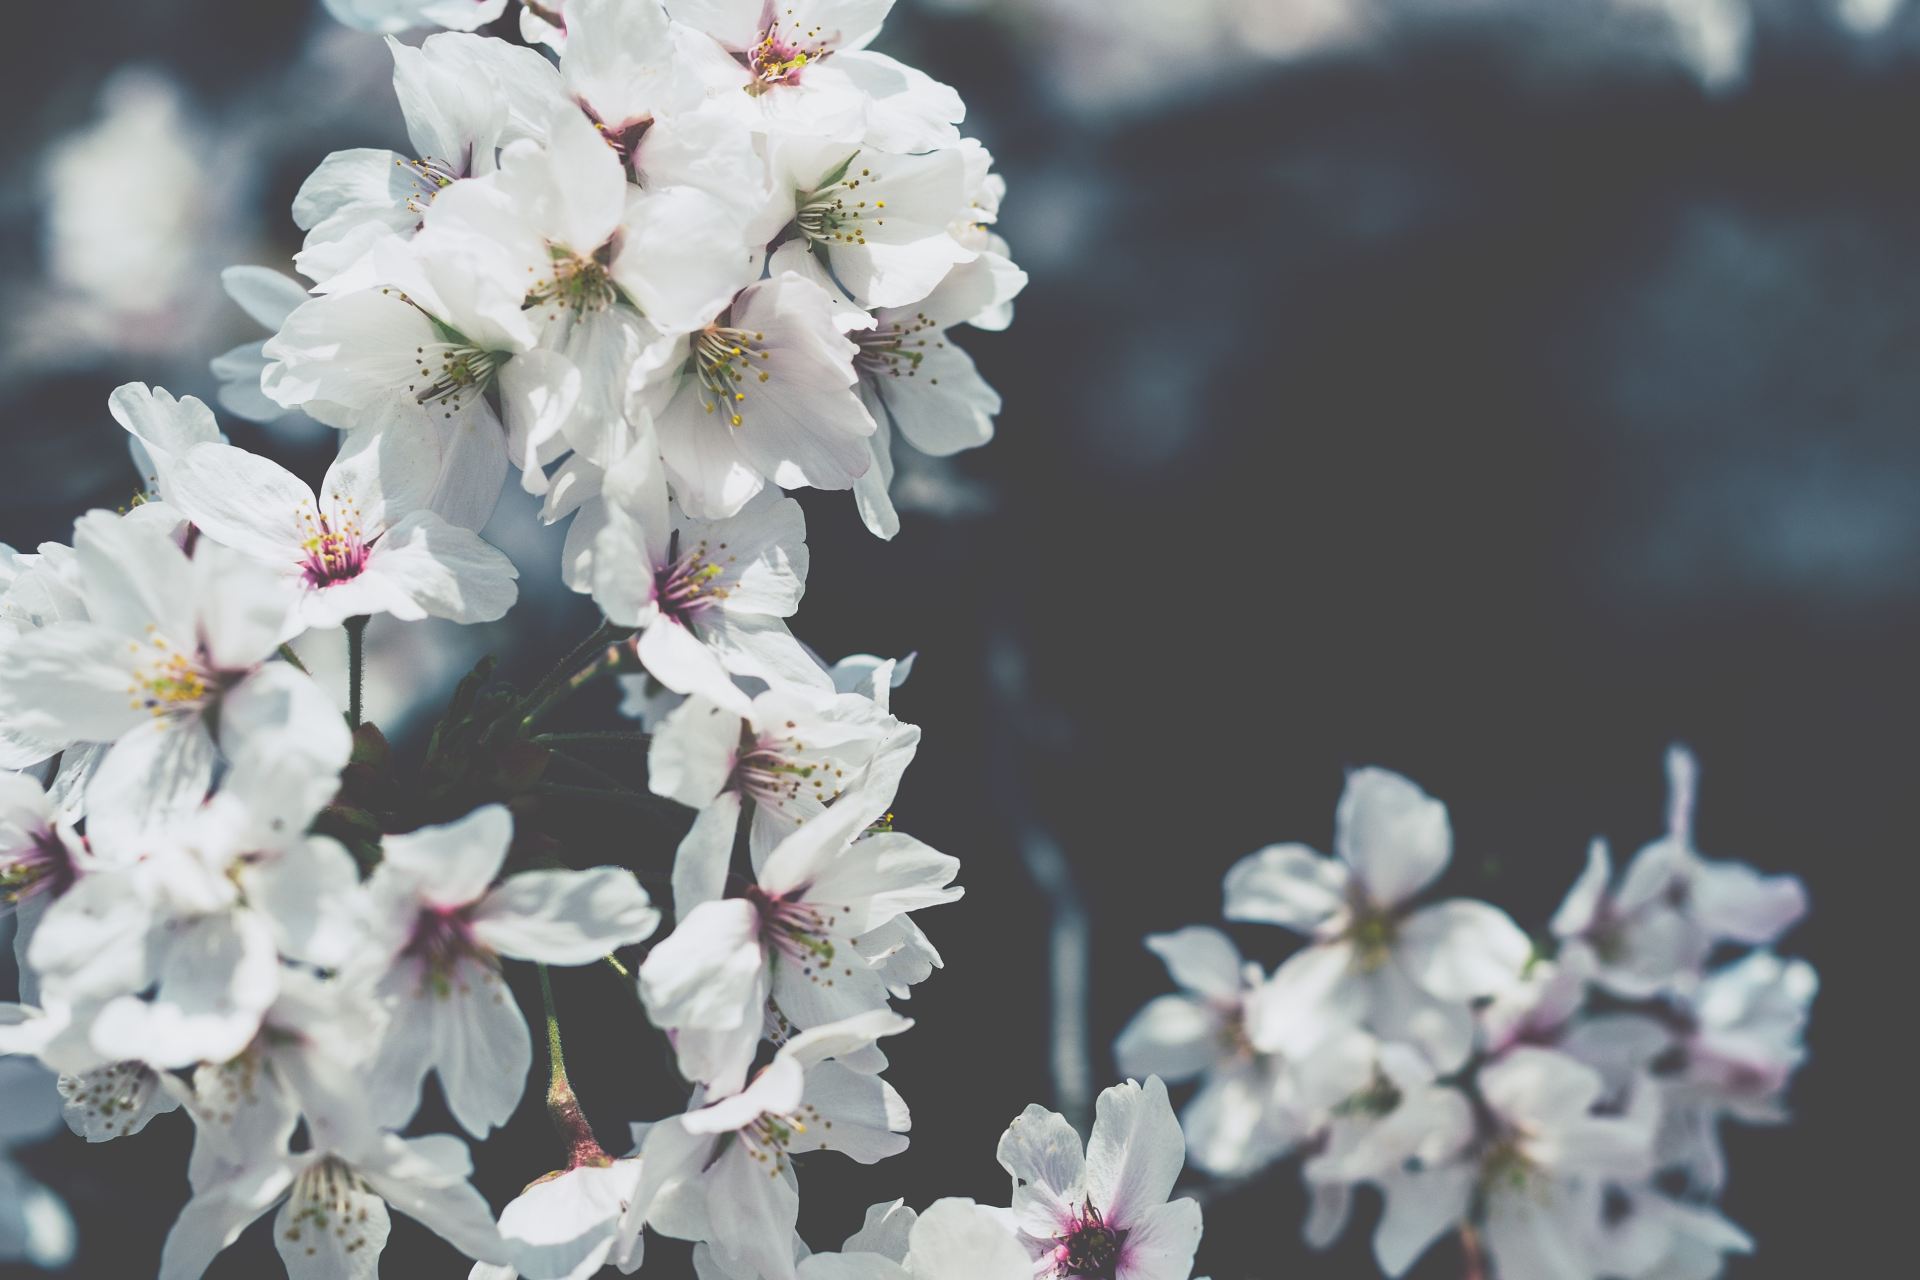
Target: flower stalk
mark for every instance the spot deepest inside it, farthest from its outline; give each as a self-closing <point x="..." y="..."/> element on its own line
<point x="563" y="1106"/>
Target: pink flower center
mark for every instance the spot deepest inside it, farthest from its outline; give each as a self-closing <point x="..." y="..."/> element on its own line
<point x="776" y="772"/>
<point x="691" y="583"/>
<point x="41" y="866"/>
<point x="780" y="56"/>
<point x="797" y="930"/>
<point x="332" y="555"/>
<point x="1090" y="1248"/>
<point x="443" y="938"/>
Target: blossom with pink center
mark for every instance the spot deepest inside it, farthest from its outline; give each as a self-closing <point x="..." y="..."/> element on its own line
<point x="1103" y="1215"/>
<point x="441" y="927"/>
<point x="724" y="1171"/>
<point x="367" y="543"/>
<point x="710" y="598"/>
<point x="37" y="848"/>
<point x="171" y="665"/>
<point x="802" y="67"/>
<point x="823" y="933"/>
<point x="793" y="754"/>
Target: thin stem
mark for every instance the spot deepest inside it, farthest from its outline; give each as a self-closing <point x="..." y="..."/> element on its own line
<point x="610" y="737"/>
<point x="563" y="1107"/>
<point x="596" y="775"/>
<point x="619" y="968"/>
<point x="356" y="666"/>
<point x="605" y="633"/>
<point x="556" y="1055"/>
<point x="293" y="659"/>
<point x="608" y="659"/>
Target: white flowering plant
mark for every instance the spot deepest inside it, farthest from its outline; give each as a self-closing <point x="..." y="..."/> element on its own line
<point x="1553" y="1102"/>
<point x="659" y="266"/>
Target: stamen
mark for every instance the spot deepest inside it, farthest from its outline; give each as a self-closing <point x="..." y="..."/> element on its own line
<point x="723" y="359"/>
<point x="42" y="866"/>
<point x="779" y="57"/>
<point x="895" y="350"/>
<point x="464" y="371"/>
<point x="323" y="1204"/>
<point x="580" y="284"/>
<point x="334" y="549"/>
<point x="693" y="582"/>
<point x="838" y="213"/>
<point x="167" y="682"/>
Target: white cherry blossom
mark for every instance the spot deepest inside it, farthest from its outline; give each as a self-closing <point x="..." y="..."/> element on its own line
<point x="1103" y="1213"/>
<point x="815" y="932"/>
<point x="367" y="543"/>
<point x="710" y="597"/>
<point x="440" y="927"/>
<point x="1374" y="957"/>
<point x="723" y="1172"/>
<point x="333" y="1206"/>
<point x="1245" y="1114"/>
<point x="168" y="642"/>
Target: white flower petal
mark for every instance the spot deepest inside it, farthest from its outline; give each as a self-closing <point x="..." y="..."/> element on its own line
<point x="1394" y="835"/>
<point x="565" y="917"/>
<point x="1289" y="885"/>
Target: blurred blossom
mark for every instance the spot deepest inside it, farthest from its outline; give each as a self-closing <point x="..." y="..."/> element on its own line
<point x="134" y="200"/>
<point x="1869" y="17"/>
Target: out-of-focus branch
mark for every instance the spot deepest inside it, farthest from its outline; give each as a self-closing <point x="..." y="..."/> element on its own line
<point x="1069" y="939"/>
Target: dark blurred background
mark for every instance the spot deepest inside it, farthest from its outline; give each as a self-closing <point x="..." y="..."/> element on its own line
<point x="1493" y="391"/>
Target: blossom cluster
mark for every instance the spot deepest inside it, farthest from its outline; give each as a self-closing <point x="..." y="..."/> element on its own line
<point x="1556" y="1103"/>
<point x="663" y="264"/>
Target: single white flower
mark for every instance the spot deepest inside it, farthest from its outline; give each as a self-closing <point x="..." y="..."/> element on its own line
<point x="41" y="855"/>
<point x="1244" y="1115"/>
<point x="802" y="67"/>
<point x="440" y="928"/>
<point x="1104" y="1213"/>
<point x="1375" y="959"/>
<point x="333" y="1201"/>
<point x="790" y="756"/>
<point x="1653" y="932"/>
<point x="815" y="932"/>
<point x="913" y="378"/>
<point x="37" y="589"/>
<point x="764" y="393"/>
<point x="172" y="645"/>
<point x="723" y="1173"/>
<point x="881" y="223"/>
<point x="365" y="544"/>
<point x="710" y="597"/>
<point x="420" y="352"/>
